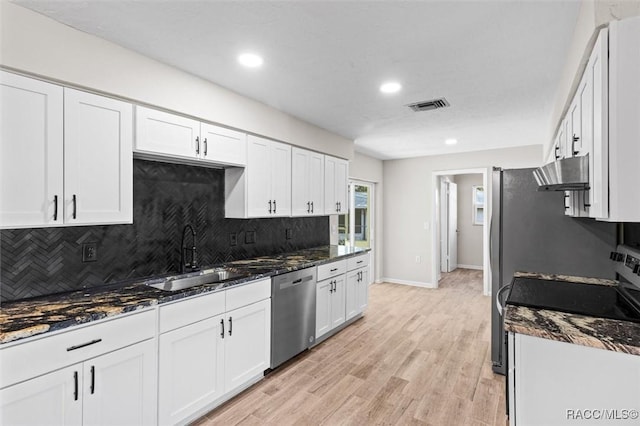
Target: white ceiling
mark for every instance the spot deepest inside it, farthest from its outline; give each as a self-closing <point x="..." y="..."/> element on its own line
<point x="498" y="63"/>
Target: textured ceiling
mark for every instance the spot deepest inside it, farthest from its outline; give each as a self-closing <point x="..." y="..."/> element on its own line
<point x="497" y="62"/>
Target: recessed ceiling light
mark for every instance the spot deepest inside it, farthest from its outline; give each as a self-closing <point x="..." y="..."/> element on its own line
<point x="390" y="87"/>
<point x="250" y="60"/>
<point x="451" y="141"/>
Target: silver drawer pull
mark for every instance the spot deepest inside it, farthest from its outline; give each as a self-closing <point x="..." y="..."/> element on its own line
<point x="93" y="342"/>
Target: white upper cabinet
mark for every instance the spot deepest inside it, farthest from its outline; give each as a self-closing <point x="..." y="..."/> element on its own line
<point x="263" y="188"/>
<point x="165" y="135"/>
<point x="66" y="156"/>
<point x="336" y="175"/>
<point x="307" y="183"/>
<point x="31" y="152"/>
<point x="98" y="163"/>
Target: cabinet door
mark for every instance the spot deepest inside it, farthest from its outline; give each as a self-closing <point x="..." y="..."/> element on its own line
<point x="352" y="288"/>
<point x="247" y="343"/>
<point x="342" y="182"/>
<point x="167" y="134"/>
<point x="120" y="388"/>
<point x="300" y="185"/>
<point x="338" y="307"/>
<point x="259" y="177"/>
<point x="363" y="290"/>
<point x="316" y="183"/>
<point x="191" y="369"/>
<point x="52" y="399"/>
<point x="98" y="159"/>
<point x="281" y="178"/>
<point x="599" y="66"/>
<point x="330" y="200"/>
<point x="31" y="152"/>
<point x="323" y="307"/>
<point x="220" y="145"/>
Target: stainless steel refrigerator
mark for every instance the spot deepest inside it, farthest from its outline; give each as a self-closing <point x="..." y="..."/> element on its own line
<point x="530" y="232"/>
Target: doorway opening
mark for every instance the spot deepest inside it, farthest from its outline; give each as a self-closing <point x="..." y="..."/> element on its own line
<point x="461" y="236"/>
<point x="356" y="228"/>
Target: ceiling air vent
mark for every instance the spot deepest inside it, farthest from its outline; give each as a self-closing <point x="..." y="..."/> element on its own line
<point x="429" y="105"/>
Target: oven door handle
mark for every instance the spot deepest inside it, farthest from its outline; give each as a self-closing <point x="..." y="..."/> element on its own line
<point x="499" y="305"/>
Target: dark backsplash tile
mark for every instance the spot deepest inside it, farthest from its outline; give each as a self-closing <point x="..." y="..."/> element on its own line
<point x="166" y="197"/>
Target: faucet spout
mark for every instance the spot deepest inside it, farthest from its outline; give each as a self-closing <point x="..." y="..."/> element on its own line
<point x="189" y="259"/>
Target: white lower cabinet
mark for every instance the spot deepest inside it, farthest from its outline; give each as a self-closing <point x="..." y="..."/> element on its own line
<point x="211" y="347"/>
<point x="330" y="304"/>
<point x="191" y="369"/>
<point x="558" y="383"/>
<point x="117" y="388"/>
<point x="357" y="292"/>
<point x="247" y="345"/>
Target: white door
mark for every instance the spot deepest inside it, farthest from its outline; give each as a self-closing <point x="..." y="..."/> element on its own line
<point x="259" y="201"/>
<point x="120" y="388"/>
<point x="444" y="226"/>
<point x="98" y="158"/>
<point x="31" y="152"/>
<point x="52" y="399"/>
<point x="191" y="369"/>
<point x="352" y="287"/>
<point x="316" y="183"/>
<point x="323" y="307"/>
<point x="247" y="344"/>
<point x="281" y="178"/>
<point x="300" y="187"/>
<point x="453" y="227"/>
<point x="163" y="133"/>
<point x="221" y="145"/>
<point x="338" y="301"/>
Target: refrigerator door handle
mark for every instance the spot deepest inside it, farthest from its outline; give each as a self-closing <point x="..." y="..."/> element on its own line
<point x="499" y="305"/>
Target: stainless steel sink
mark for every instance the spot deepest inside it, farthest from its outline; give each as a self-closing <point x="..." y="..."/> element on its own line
<point x="212" y="276"/>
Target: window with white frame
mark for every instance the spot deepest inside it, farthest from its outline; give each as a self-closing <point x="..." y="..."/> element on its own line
<point x="478" y="205"/>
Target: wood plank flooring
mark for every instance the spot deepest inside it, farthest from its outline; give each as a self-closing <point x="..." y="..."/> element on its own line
<point x="418" y="357"/>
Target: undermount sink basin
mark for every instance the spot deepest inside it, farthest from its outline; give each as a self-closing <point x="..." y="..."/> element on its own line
<point x="208" y="277"/>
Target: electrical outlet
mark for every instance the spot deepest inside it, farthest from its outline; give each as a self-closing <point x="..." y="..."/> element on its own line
<point x="288" y="233"/>
<point x="233" y="239"/>
<point x="89" y="252"/>
<point x="418" y="259"/>
<point x="250" y="237"/>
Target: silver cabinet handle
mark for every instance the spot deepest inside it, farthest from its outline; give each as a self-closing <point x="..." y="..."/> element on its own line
<point x="205" y="147"/>
<point x="197" y="144"/>
<point x="222" y="324"/>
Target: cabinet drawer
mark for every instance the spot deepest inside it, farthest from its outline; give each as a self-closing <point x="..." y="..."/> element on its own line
<point x="188" y="311"/>
<point x="247" y="294"/>
<point x="332" y="269"/>
<point x="35" y="357"/>
<point x="358" y="262"/>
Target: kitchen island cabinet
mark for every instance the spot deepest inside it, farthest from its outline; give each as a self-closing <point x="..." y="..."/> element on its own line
<point x="597" y="385"/>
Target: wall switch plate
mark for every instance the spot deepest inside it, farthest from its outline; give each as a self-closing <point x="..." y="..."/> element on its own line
<point x="288" y="233"/>
<point x="250" y="237"/>
<point x="89" y="252"/>
<point x="233" y="239"/>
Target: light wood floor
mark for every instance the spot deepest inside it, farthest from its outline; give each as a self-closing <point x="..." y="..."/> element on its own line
<point x="419" y="356"/>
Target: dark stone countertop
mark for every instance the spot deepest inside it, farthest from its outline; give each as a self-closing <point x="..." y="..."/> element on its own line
<point x="29" y="317"/>
<point x="595" y="332"/>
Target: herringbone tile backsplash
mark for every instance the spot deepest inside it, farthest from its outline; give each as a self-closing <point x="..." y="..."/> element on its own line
<point x="166" y="196"/>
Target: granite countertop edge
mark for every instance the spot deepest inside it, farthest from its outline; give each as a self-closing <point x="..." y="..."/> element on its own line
<point x="584" y="330"/>
<point x="65" y="310"/>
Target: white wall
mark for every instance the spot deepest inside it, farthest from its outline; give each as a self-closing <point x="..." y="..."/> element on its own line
<point x="370" y="169"/>
<point x="408" y="205"/>
<point x="469" y="235"/>
<point x="34" y="44"/>
<point x="593" y="15"/>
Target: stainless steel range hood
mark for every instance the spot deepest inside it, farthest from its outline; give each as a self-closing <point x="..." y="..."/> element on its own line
<point x="568" y="174"/>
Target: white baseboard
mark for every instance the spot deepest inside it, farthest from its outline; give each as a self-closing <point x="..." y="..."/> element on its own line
<point x="408" y="282"/>
<point x="479" y="268"/>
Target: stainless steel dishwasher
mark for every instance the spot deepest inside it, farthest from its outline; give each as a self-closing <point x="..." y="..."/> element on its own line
<point x="293" y="314"/>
